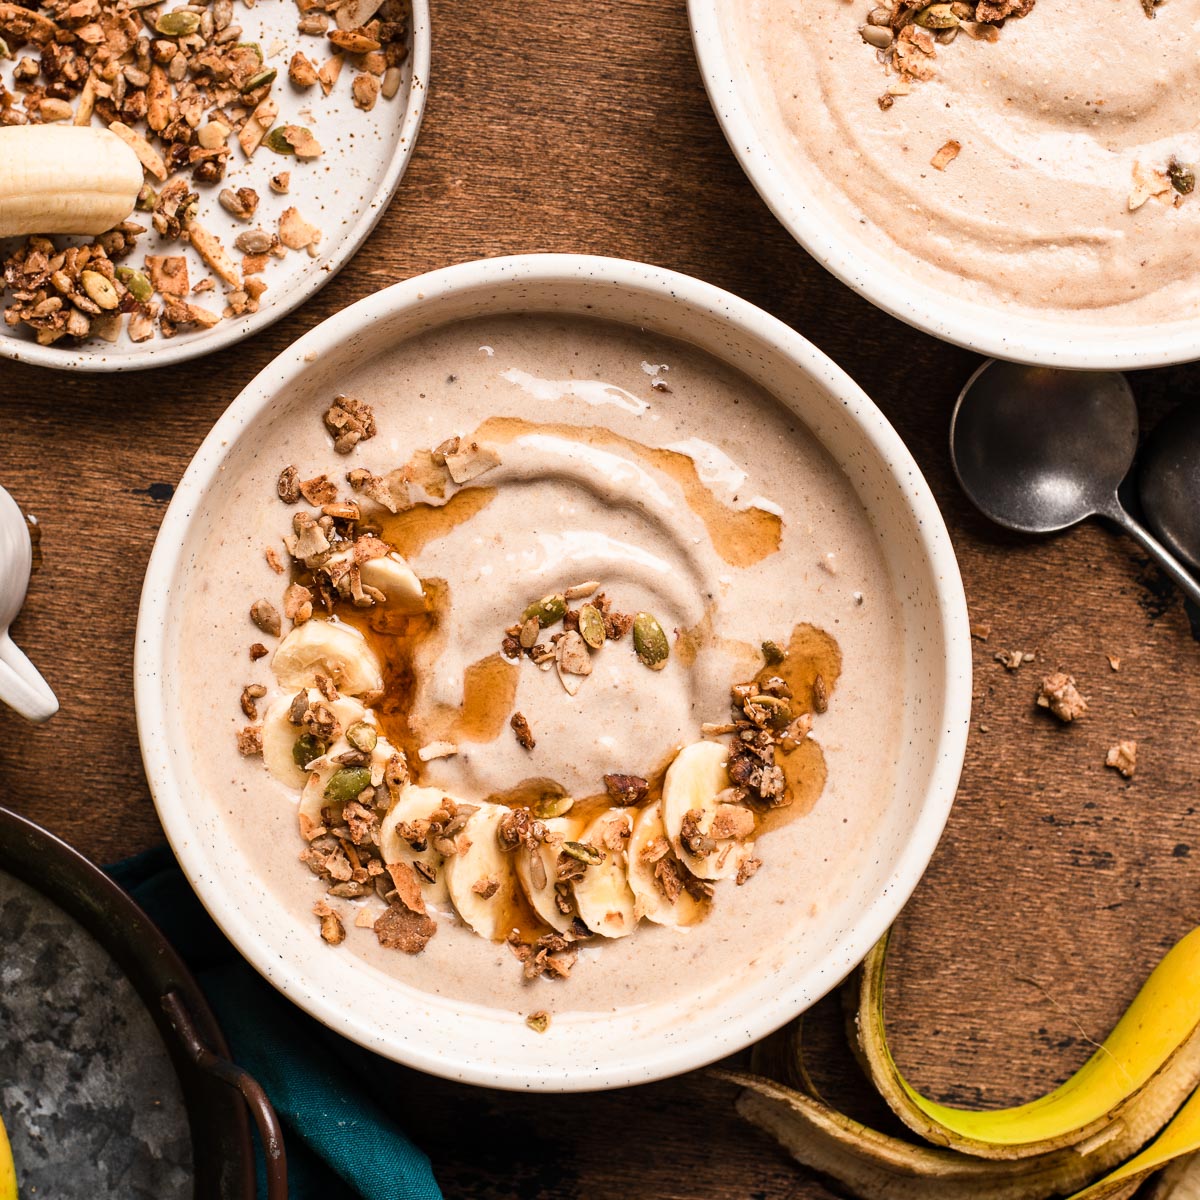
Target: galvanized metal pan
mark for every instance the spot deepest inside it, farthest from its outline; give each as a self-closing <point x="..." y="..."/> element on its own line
<point x="114" y="1076"/>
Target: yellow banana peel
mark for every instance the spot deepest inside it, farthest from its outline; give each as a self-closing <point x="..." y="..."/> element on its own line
<point x="1156" y="1043"/>
<point x="1085" y="1134"/>
<point x="8" y="1171"/>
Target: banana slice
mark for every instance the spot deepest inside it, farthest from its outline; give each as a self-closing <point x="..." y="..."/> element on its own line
<point x="540" y="892"/>
<point x="280" y="735"/>
<point x="397" y="581"/>
<point x="65" y="179"/>
<point x="415" y="804"/>
<point x="327" y="648"/>
<point x="648" y="847"/>
<point x="694" y="782"/>
<point x="313" y="798"/>
<point x="603" y="896"/>
<point x="481" y="879"/>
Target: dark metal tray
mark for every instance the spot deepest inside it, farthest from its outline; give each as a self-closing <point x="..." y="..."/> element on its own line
<point x="104" y="1095"/>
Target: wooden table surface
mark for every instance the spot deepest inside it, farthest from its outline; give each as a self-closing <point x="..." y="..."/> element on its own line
<point x="578" y="126"/>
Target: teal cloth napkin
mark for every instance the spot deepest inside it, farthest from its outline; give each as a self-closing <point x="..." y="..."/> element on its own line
<point x="340" y="1144"/>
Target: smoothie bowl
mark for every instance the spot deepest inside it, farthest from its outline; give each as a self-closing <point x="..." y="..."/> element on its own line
<point x="984" y="170"/>
<point x="553" y="672"/>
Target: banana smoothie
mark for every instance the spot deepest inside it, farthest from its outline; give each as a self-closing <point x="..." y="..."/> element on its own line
<point x="551" y="663"/>
<point x="1034" y="156"/>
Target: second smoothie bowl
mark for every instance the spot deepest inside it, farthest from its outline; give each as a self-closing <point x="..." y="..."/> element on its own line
<point x="553" y="673"/>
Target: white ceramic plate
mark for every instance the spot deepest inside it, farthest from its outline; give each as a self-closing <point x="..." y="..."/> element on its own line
<point x="482" y="1044"/>
<point x="786" y="185"/>
<point x="343" y="193"/>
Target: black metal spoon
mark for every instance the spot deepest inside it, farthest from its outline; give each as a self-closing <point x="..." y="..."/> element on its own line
<point x="1039" y="450"/>
<point x="1169" y="481"/>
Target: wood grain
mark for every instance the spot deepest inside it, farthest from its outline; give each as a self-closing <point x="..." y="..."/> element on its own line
<point x="578" y="126"/>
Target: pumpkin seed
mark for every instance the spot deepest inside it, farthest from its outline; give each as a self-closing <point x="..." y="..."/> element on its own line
<point x="591" y="626"/>
<point x="772" y="654"/>
<point x="362" y="736"/>
<point x="582" y="852"/>
<point x="139" y="286"/>
<point x="650" y="642"/>
<point x="306" y="749"/>
<point x="277" y="140"/>
<point x="780" y="710"/>
<point x="259" y="79"/>
<point x="100" y="288"/>
<point x="178" y="24"/>
<point x="346" y="783"/>
<point x="552" y="806"/>
<point x="539" y="1022"/>
<point x="937" y="16"/>
<point x="547" y="610"/>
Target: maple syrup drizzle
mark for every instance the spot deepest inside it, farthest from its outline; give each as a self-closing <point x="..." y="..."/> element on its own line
<point x="741" y="536"/>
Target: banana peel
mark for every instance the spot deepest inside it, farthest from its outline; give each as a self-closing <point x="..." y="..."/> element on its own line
<point x="8" y="1171"/>
<point x="1155" y="1046"/>
<point x="1081" y="1140"/>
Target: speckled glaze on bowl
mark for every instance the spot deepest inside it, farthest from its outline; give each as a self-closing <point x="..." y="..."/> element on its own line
<point x="343" y="193"/>
<point x="786" y="185"/>
<point x="583" y="1050"/>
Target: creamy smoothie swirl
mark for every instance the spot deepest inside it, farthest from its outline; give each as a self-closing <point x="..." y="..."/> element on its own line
<point x="1053" y="119"/>
<point x="683" y="491"/>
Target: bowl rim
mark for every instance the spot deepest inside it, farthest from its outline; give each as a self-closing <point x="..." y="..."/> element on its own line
<point x="986" y="329"/>
<point x="231" y="331"/>
<point x="689" y="293"/>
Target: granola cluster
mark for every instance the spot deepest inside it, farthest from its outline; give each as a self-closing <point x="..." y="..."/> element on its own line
<point x="178" y="86"/>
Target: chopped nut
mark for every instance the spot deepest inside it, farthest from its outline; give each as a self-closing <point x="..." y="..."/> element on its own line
<point x="1059" y="694"/>
<point x="626" y="790"/>
<point x="257" y="651"/>
<point x="1123" y="757"/>
<point x="281" y="183"/>
<point x="365" y="91"/>
<point x="296" y="233"/>
<point x="332" y="929"/>
<point x="319" y="490"/>
<point x="288" y="486"/>
<point x="538" y="1021"/>
<point x="399" y="928"/>
<point x="250" y="740"/>
<point x="520" y="726"/>
<point x="946" y="155"/>
<point x="251" y="693"/>
<point x="349" y="421"/>
<point x="301" y="70"/>
<point x="747" y="868"/>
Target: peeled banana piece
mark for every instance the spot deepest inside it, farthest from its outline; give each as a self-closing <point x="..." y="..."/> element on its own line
<point x="603" y="896"/>
<point x="481" y="878"/>
<point x="65" y="179"/>
<point x="280" y="735"/>
<point x="415" y="804"/>
<point x="329" y="648"/>
<point x="695" y="782"/>
<point x="540" y="891"/>
<point x="649" y="839"/>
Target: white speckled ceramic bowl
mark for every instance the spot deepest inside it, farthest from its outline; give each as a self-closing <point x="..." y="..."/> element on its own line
<point x="786" y="185"/>
<point x="583" y="1050"/>
<point x="343" y="193"/>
